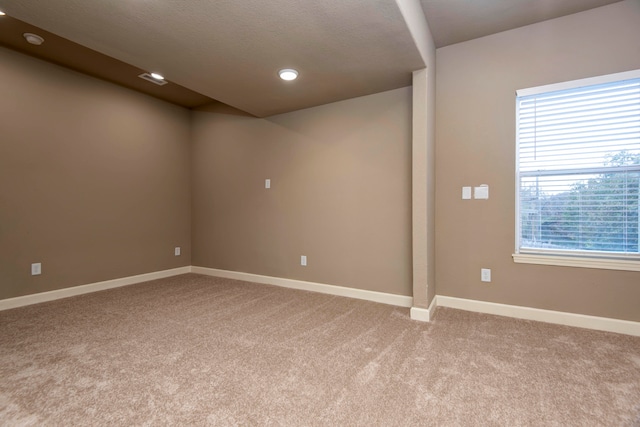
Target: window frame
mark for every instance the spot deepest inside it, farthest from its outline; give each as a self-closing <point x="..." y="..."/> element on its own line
<point x="568" y="258"/>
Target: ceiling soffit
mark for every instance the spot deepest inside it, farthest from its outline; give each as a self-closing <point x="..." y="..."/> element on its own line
<point x="231" y="50"/>
<point x="64" y="52"/>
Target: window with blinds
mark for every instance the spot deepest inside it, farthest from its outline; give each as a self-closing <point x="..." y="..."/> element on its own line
<point x="578" y="167"/>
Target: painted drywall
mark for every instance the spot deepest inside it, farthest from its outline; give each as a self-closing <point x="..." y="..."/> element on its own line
<point x="340" y="193"/>
<point x="423" y="187"/>
<point x="431" y="179"/>
<point x="475" y="113"/>
<point x="94" y="179"/>
<point x="423" y="156"/>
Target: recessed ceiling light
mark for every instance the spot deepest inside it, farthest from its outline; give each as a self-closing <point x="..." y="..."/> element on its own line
<point x="33" y="38"/>
<point x="288" y="74"/>
<point x="148" y="77"/>
<point x="157" y="76"/>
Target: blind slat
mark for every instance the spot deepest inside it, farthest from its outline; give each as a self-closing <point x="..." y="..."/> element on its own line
<point x="579" y="168"/>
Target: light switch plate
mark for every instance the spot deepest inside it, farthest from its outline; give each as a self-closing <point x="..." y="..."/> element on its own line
<point x="481" y="192"/>
<point x="176" y="251"/>
<point x="303" y="260"/>
<point x="267" y="183"/>
<point x="466" y="193"/>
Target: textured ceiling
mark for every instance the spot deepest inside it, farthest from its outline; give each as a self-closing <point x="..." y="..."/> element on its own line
<point x="455" y="21"/>
<point x="77" y="57"/>
<point x="230" y="50"/>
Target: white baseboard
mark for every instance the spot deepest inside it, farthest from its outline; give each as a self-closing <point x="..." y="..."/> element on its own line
<point x="417" y="313"/>
<point x="420" y="314"/>
<point x="381" y="297"/>
<point x="541" y="315"/>
<point x="8" y="303"/>
<point x="424" y="314"/>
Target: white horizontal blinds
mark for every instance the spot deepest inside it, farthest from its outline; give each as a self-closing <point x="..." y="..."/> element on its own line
<point x="579" y="127"/>
<point x="579" y="168"/>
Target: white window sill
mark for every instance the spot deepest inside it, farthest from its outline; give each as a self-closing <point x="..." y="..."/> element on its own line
<point x="584" y="262"/>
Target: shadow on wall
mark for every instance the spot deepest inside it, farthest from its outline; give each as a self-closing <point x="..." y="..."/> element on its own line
<point x="222" y="108"/>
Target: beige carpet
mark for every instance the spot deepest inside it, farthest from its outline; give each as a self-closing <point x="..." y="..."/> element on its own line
<point x="195" y="350"/>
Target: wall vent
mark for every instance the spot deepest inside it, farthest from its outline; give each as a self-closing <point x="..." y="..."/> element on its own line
<point x="147" y="77"/>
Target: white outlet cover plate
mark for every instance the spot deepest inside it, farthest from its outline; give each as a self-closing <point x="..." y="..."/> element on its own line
<point x="176" y="252"/>
<point x="36" y="269"/>
<point x="303" y="260"/>
<point x="267" y="183"/>
<point x="485" y="275"/>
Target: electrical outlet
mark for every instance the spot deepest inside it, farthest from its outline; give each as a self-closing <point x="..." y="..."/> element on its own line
<point x="267" y="183"/>
<point x="485" y="274"/>
<point x="303" y="260"/>
<point x="36" y="269"/>
<point x="176" y="251"/>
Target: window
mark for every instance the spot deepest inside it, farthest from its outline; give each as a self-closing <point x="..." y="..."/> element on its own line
<point x="578" y="170"/>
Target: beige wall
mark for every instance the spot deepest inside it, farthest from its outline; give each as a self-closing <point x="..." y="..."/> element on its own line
<point x="94" y="179"/>
<point x="475" y="145"/>
<point x="341" y="193"/>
